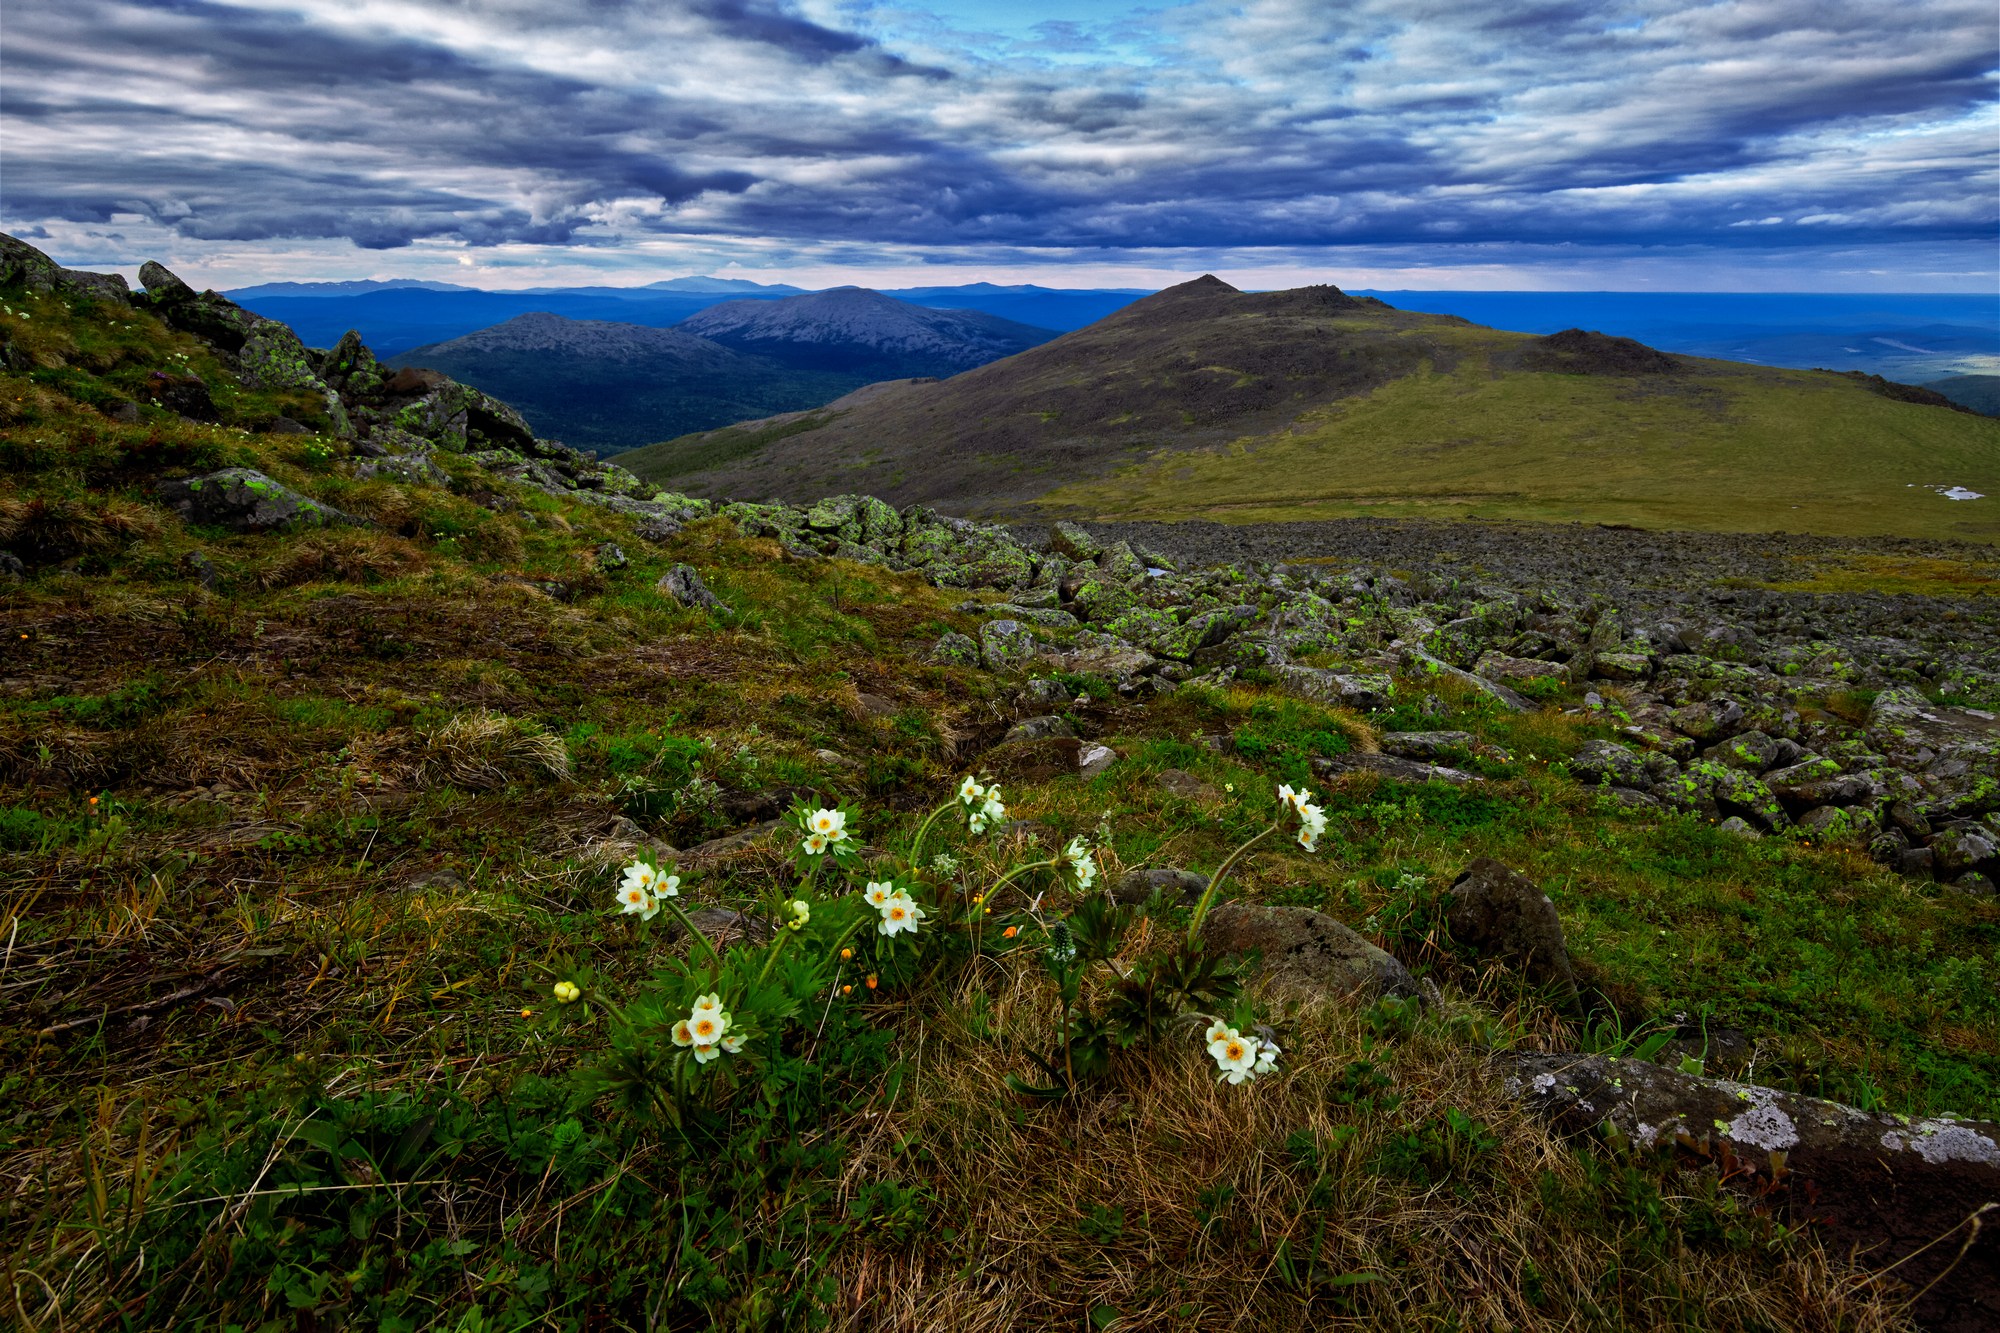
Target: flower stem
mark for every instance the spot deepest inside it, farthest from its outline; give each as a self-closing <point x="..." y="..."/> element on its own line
<point x="777" y="947"/>
<point x="689" y="926"/>
<point x="917" y="847"/>
<point x="1019" y="871"/>
<point x="1222" y="873"/>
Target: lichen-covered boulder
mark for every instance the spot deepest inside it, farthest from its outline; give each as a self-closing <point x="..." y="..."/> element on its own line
<point x="1076" y="543"/>
<point x="1353" y="691"/>
<point x="954" y="649"/>
<point x="1416" y="659"/>
<point x="245" y="500"/>
<point x="1005" y="645"/>
<point x="1040" y="729"/>
<point x="1307" y="953"/>
<point x="1600" y="763"/>
<point x="1621" y="666"/>
<point x="1172" y="884"/>
<point x="1885" y="1186"/>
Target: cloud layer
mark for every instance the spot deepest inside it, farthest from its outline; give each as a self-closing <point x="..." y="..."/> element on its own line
<point x="871" y="130"/>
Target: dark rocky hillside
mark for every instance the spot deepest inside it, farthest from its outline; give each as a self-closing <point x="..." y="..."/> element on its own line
<point x="604" y="386"/>
<point x="855" y="331"/>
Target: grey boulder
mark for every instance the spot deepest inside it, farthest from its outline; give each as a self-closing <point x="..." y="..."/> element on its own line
<point x="1307" y="953"/>
<point x="245" y="500"/>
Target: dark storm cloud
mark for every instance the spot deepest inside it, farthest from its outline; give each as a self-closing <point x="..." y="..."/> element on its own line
<point x="1270" y="123"/>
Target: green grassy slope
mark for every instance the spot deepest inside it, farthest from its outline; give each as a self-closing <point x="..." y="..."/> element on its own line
<point x="1206" y="402"/>
<point x="298" y="831"/>
<point x="1727" y="448"/>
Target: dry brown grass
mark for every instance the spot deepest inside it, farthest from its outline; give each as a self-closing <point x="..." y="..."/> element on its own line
<point x="485" y="750"/>
<point x="1163" y="1142"/>
<point x="342" y="556"/>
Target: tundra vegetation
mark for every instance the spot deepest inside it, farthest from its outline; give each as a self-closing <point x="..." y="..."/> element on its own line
<point x="449" y="886"/>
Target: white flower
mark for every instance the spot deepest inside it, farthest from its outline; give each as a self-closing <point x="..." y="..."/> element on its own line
<point x="1312" y="825"/>
<point x="969" y="791"/>
<point x="1235" y="1055"/>
<point x="992" y="812"/>
<point x="828" y="824"/>
<point x="732" y="1043"/>
<point x="707" y="1026"/>
<point x="639" y="875"/>
<point x="670" y="887"/>
<point x="703" y="1054"/>
<point x="801" y="913"/>
<point x="1078" y="856"/>
<point x="1286" y="794"/>
<point x="899" y="914"/>
<point x="814" y="845"/>
<point x="1267" y="1057"/>
<point x="634" y="899"/>
<point x="683" y="1037"/>
<point x="878" y="893"/>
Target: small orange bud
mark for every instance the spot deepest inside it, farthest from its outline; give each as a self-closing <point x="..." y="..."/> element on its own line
<point x="527" y="1013"/>
<point x="871" y="981"/>
<point x="93" y="800"/>
<point x="847" y="953"/>
<point x="1010" y="932"/>
<point x="847" y="990"/>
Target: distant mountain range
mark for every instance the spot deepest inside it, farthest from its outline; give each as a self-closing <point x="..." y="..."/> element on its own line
<point x="1204" y="402"/>
<point x="856" y="331"/>
<point x="605" y="385"/>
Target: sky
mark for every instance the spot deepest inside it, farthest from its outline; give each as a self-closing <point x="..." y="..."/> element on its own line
<point x="1736" y="145"/>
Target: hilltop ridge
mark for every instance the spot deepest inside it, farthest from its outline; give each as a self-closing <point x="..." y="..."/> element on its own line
<point x="1202" y="401"/>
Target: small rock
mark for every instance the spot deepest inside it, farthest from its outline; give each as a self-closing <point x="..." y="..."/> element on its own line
<point x="1043" y="692"/>
<point x="608" y="556"/>
<point x="1736" y="826"/>
<point x="1502" y="914"/>
<point x="1519" y="670"/>
<point x="1040" y="729"/>
<point x="1174" y="885"/>
<point x="1307" y="953"/>
<point x="875" y="705"/>
<point x="1621" y="666"/>
<point x="684" y="585"/>
<point x="1092" y="760"/>
<point x="1426" y="744"/>
<point x="657" y="530"/>
<point x="1390" y="766"/>
<point x="1184" y="784"/>
<point x="954" y="649"/>
<point x="1975" y="884"/>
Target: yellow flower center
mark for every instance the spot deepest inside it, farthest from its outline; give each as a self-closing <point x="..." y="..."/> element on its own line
<point x="704" y="1027"/>
<point x="1233" y="1051"/>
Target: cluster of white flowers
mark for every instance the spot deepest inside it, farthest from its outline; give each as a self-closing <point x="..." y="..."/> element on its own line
<point x="899" y="911"/>
<point x="643" y="887"/>
<point x="1312" y="820"/>
<point x="706" y="1028"/>
<point x="1079" y="858"/>
<point x="825" y="829"/>
<point x="1240" y="1058"/>
<point x="984" y="802"/>
<point x="799" y="911"/>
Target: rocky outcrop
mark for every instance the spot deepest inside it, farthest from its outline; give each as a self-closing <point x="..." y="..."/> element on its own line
<point x="23" y="263"/>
